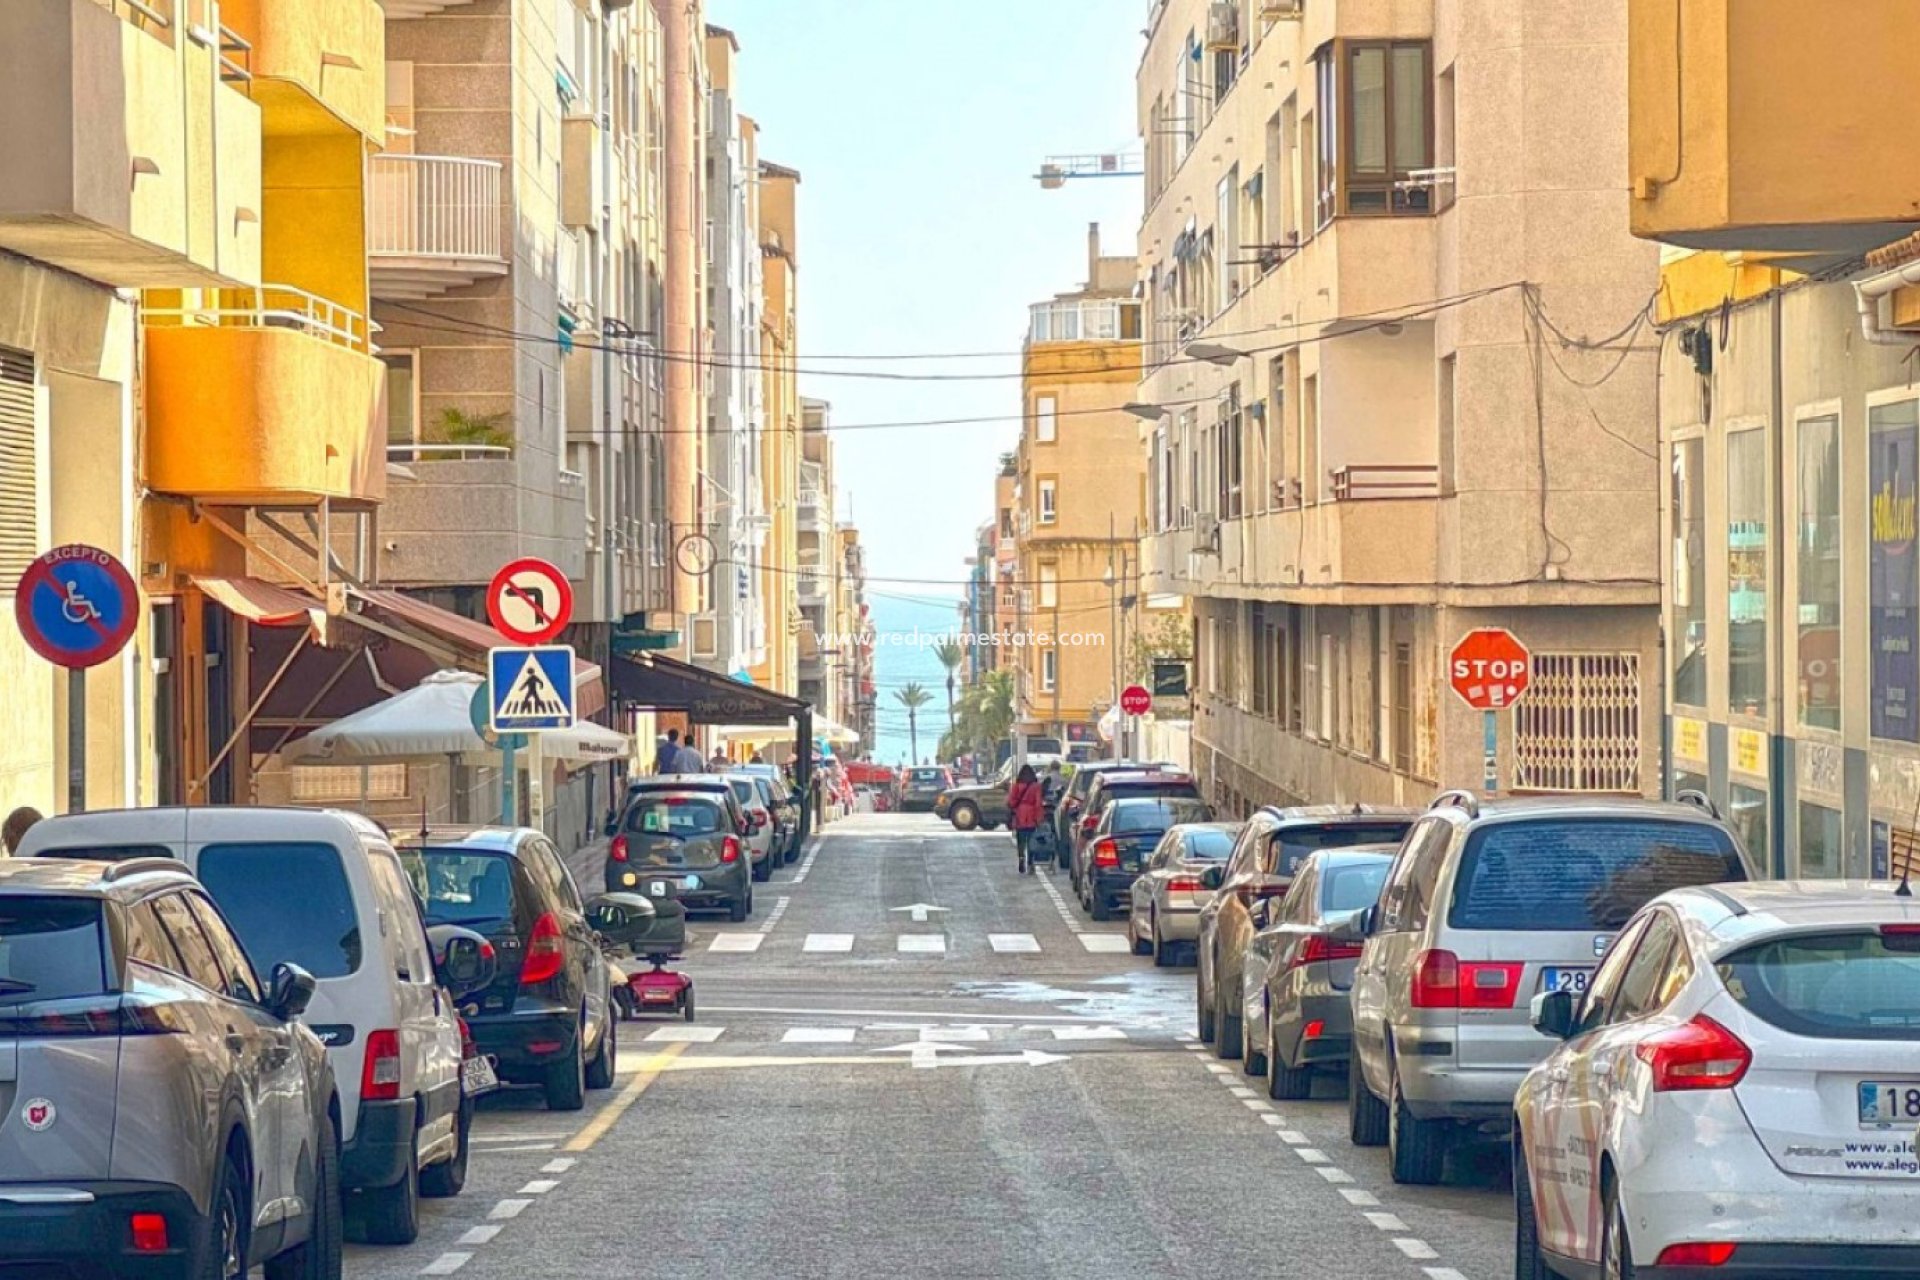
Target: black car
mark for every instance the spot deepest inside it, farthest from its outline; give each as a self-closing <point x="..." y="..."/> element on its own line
<point x="1127" y="832"/>
<point x="1066" y="813"/>
<point x="921" y="787"/>
<point x="547" y="1018"/>
<point x="685" y="837"/>
<point x="1104" y="790"/>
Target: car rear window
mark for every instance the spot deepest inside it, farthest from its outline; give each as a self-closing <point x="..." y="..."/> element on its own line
<point x="1582" y="873"/>
<point x="928" y="775"/>
<point x="742" y="789"/>
<point x="1131" y="790"/>
<point x="1353" y="886"/>
<point x="1157" y="815"/>
<point x="50" y="949"/>
<point x="1853" y="985"/>
<point x="466" y="886"/>
<point x="1297" y="843"/>
<point x="681" y="816"/>
<point x="1209" y="846"/>
<point x="107" y="852"/>
<point x="255" y="884"/>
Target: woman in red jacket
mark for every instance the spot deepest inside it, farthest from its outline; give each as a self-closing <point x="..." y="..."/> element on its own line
<point x="1026" y="804"/>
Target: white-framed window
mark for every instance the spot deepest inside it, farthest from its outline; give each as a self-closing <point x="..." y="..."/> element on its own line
<point x="1049" y="670"/>
<point x="403" y="396"/>
<point x="1049" y="586"/>
<point x="1048" y="511"/>
<point x="1578" y="728"/>
<point x="1046" y="426"/>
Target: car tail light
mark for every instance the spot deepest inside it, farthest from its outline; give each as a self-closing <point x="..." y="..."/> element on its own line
<point x="1184" y="884"/>
<point x="1441" y="980"/>
<point x="1700" y="1054"/>
<point x="149" y="1232"/>
<point x="1902" y="939"/>
<point x="544" y="951"/>
<point x="1716" y="1254"/>
<point x="380" y="1070"/>
<point x="1105" y="852"/>
<point x="1088" y="823"/>
<point x="730" y="849"/>
<point x="618" y="849"/>
<point x="1319" y="948"/>
<point x="758" y="818"/>
<point x="1313" y="1030"/>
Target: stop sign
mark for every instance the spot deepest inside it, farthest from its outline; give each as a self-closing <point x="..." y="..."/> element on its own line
<point x="1490" y="669"/>
<point x="1135" y="700"/>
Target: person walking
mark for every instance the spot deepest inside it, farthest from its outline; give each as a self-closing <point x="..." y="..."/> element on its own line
<point x="664" y="753"/>
<point x="1025" y="804"/>
<point x="688" y="759"/>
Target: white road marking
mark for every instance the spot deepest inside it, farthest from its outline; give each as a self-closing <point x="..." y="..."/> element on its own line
<point x="538" y="1187"/>
<point x="1418" y="1250"/>
<point x="806" y="862"/>
<point x="1256" y="1104"/>
<point x="773" y="916"/>
<point x="513" y="1149"/>
<point x="1088" y="1033"/>
<point x="685" y="1035"/>
<point x="947" y="1035"/>
<point x="819" y="1035"/>
<point x="1060" y="905"/>
<point x="1219" y="1068"/>
<point x="919" y="911"/>
<point x="480" y="1234"/>
<point x="737" y="941"/>
<point x="1105" y="942"/>
<point x="1360" y="1199"/>
<point x="828" y="942"/>
<point x="1312" y="1155"/>
<point x="482" y="1139"/>
<point x="446" y="1264"/>
<point x="507" y="1209"/>
<point x="1443" y="1273"/>
<point x="1275" y="1119"/>
<point x="1386" y="1222"/>
<point x="923" y="943"/>
<point x="557" y="1166"/>
<point x="1332" y="1174"/>
<point x="1013" y="942"/>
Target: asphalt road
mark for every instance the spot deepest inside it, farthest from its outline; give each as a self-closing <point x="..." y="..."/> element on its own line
<point x="998" y="1091"/>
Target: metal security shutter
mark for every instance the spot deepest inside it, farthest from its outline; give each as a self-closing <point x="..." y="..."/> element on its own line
<point x="19" y="509"/>
<point x="1578" y="728"/>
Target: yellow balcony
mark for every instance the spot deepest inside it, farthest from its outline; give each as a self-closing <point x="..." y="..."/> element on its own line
<point x="127" y="158"/>
<point x="316" y="67"/>
<point x="1766" y="125"/>
<point x="262" y="396"/>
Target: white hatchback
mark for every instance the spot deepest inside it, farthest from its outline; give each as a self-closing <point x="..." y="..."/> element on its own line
<point x="1736" y="1093"/>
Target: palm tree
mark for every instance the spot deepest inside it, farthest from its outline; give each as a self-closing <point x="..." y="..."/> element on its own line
<point x="913" y="697"/>
<point x="951" y="655"/>
<point x="983" y="716"/>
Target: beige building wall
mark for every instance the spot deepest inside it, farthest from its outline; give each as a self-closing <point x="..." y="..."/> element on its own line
<point x="779" y="189"/>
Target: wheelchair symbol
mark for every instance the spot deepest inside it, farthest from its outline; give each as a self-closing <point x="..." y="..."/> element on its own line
<point x="76" y="608"/>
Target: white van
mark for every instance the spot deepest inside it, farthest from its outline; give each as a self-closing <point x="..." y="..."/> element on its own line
<point x="326" y="890"/>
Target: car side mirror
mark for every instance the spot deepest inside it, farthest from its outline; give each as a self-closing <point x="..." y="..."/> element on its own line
<point x="1556" y="1014"/>
<point x="1212" y="878"/>
<point x="289" y="991"/>
<point x="620" y="918"/>
<point x="463" y="961"/>
<point x="1351" y="930"/>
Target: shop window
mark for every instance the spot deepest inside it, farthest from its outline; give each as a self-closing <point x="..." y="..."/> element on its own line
<point x="1893" y="470"/>
<point x="1747" y="815"/>
<point x="1822" y="843"/>
<point x="1747" y="572"/>
<point x="1818" y="545"/>
<point x="1687" y="499"/>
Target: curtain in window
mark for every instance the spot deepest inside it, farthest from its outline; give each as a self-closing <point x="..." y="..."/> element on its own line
<point x="1369" y="98"/>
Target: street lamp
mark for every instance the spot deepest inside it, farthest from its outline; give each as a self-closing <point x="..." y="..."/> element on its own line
<point x="1151" y="412"/>
<point x="1113" y="646"/>
<point x="1212" y="353"/>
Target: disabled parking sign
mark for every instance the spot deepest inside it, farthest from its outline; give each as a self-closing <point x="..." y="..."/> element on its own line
<point x="530" y="688"/>
<point x="77" y="606"/>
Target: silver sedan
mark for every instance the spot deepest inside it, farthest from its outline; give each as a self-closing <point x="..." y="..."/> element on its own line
<point x="1165" y="909"/>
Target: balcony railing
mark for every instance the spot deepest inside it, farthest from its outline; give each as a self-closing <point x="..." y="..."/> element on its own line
<point x="1106" y="320"/>
<point x="422" y="451"/>
<point x="1368" y="483"/>
<point x="435" y="207"/>
<point x="271" y="306"/>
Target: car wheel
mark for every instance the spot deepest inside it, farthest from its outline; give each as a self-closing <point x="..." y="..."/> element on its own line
<point x="686" y="1005"/>
<point x="1285" y="1083"/>
<point x="1098" y="909"/>
<point x="1417" y="1148"/>
<point x="1140" y="946"/>
<point x="226" y="1250"/>
<point x="1366" y="1114"/>
<point x="1529" y="1263"/>
<point x="1616" y="1250"/>
<point x="763" y="869"/>
<point x="319" y="1257"/>
<point x="600" y="1070"/>
<point x="1163" y="956"/>
<point x="1203" y="1007"/>
<point x="1253" y="1057"/>
<point x="439" y="1181"/>
<point x="566" y="1086"/>
<point x="964" y="817"/>
<point x="391" y="1215"/>
<point x="1226" y="1027"/>
<point x="738" y="908"/>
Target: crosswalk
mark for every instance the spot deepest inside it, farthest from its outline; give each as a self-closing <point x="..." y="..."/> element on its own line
<point x="741" y="942"/>
<point x="891" y="1034"/>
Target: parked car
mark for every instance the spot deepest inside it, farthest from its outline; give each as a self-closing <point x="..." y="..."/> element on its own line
<point x="983" y="805"/>
<point x="759" y="835"/>
<point x="785" y="806"/>
<point x="713" y="783"/>
<point x="1733" y="1093"/>
<point x="1164" y="902"/>
<point x="1272" y="848"/>
<point x="1488" y="904"/>
<point x="547" y="1019"/>
<point x="203" y="1150"/>
<point x="921" y="786"/>
<point x="1130" y="829"/>
<point x="1298" y="978"/>
<point x="1079" y="783"/>
<point x="690" y="834"/>
<point x="326" y="890"/>
<point x="1111" y="786"/>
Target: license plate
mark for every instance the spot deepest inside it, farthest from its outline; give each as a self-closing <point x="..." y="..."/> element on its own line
<point x="658" y="888"/>
<point x="477" y="1076"/>
<point x="1566" y="978"/>
<point x="656" y="995"/>
<point x="1889" y="1102"/>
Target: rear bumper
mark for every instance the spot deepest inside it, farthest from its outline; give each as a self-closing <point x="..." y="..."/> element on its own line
<point x="1437" y="1087"/>
<point x="1801" y="1262"/>
<point x="90" y="1235"/>
<point x="1335" y="1041"/>
<point x="382" y="1142"/>
<point x="1178" y="924"/>
<point x="1114" y="888"/>
<point x="510" y="1038"/>
<point x="717" y="890"/>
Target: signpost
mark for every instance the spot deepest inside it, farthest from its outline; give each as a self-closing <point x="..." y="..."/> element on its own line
<point x="530" y="601"/>
<point x="1135" y="700"/>
<point x="77" y="607"/>
<point x="1490" y="670"/>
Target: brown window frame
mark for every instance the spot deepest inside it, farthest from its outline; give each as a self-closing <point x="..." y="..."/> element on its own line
<point x="1336" y="198"/>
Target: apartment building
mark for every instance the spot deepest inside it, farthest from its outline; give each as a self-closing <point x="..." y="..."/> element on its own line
<point x="1079" y="475"/>
<point x="819" y="564"/>
<point x="778" y="561"/>
<point x="1391" y="305"/>
<point x="1006" y="564"/>
<point x="1789" y="422"/>
<point x="853" y="622"/>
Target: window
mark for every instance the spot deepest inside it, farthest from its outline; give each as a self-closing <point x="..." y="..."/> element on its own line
<point x="19" y="486"/>
<point x="253" y="884"/>
<point x="1048" y="670"/>
<point x="1326" y="162"/>
<point x="317" y="784"/>
<point x="1045" y="420"/>
<point x="1821" y="842"/>
<point x="1605" y="987"/>
<point x="413" y="958"/>
<point x="241" y="982"/>
<point x="1747" y="571"/>
<point x="1048" y="511"/>
<point x="1687" y="506"/>
<point x="51" y="948"/>
<point x="403" y="397"/>
<point x="1291" y="847"/>
<point x="1227" y="219"/>
<point x="1384" y="92"/>
<point x="1893" y="440"/>
<point x="1578" y="728"/>
<point x="1402" y="719"/>
<point x="1648" y="981"/>
<point x="1228" y="445"/>
<point x="147" y="941"/>
<point x="1837" y="986"/>
<point x="1407" y="900"/>
<point x="1049" y="586"/>
<point x="197" y="960"/>
<point x="1818" y="538"/>
<point x="1582" y="873"/>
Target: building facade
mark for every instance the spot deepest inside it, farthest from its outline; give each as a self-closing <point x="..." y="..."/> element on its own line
<point x="778" y="561"/>
<point x="1391" y="307"/>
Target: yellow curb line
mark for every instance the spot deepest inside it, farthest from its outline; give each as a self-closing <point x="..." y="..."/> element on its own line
<point x="609" y="1116"/>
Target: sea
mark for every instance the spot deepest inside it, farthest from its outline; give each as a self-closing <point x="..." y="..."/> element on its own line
<point x="906" y="629"/>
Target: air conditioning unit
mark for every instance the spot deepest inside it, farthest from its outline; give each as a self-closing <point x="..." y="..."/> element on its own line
<point x="1223" y="25"/>
<point x="1276" y="10"/>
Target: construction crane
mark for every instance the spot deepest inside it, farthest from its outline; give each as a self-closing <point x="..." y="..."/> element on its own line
<point x="1057" y="171"/>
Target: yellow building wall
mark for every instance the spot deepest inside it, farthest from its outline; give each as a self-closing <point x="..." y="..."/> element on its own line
<point x="315" y="236"/>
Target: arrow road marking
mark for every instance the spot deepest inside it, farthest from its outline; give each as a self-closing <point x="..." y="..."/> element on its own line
<point x="920" y="910"/>
<point x="924" y="1053"/>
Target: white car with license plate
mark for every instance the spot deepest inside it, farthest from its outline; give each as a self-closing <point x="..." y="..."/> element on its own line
<point x="1736" y="1093"/>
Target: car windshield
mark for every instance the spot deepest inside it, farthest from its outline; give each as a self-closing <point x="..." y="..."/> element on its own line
<point x="1209" y="845"/>
<point x="466" y="886"/>
<point x="1582" y="873"/>
<point x="49" y="950"/>
<point x="681" y="817"/>
<point x="1844" y="985"/>
<point x="1353" y="885"/>
<point x="254" y="882"/>
<point x="1299" y="843"/>
<point x="1156" y="815"/>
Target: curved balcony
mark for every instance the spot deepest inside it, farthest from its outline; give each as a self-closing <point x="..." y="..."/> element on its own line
<point x="433" y="224"/>
<point x="398" y="9"/>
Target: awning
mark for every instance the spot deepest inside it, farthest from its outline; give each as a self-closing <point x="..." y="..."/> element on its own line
<point x="260" y="602"/>
<point x="666" y="684"/>
<point x="468" y="640"/>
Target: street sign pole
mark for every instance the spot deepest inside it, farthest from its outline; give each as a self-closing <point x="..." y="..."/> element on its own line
<point x="77" y="607"/>
<point x="76" y="740"/>
<point x="536" y="785"/>
<point x="1490" y="748"/>
<point x="509" y="784"/>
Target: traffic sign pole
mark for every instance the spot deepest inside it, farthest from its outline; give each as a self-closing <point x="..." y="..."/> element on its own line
<point x="76" y="606"/>
<point x="1490" y="749"/>
<point x="77" y="740"/>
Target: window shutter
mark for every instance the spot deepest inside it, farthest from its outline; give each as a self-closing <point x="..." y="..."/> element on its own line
<point x="19" y="507"/>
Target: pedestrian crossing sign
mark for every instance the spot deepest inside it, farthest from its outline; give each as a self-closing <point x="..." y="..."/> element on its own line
<point x="530" y="688"/>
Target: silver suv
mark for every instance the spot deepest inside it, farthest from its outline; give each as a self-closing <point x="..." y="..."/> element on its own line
<point x="1488" y="904"/>
<point x="161" y="1112"/>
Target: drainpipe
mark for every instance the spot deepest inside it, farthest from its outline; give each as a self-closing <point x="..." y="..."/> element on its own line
<point x="682" y="263"/>
<point x="1871" y="295"/>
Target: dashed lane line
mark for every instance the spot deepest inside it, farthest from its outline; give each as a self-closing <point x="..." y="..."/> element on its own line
<point x="538" y="1187"/>
<point x="688" y="1034"/>
<point x="561" y="1165"/>
<point x="1418" y="1250"/>
<point x="921" y="943"/>
<point x="507" y="1210"/>
<point x="828" y="942"/>
<point x="819" y="1035"/>
<point x="480" y="1234"/>
<point x="446" y="1264"/>
<point x="806" y="861"/>
<point x="737" y="942"/>
<point x="1105" y="942"/>
<point x="1016" y="943"/>
<point x="901" y="1013"/>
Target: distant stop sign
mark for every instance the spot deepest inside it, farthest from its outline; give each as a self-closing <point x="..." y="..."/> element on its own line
<point x="1490" y="669"/>
<point x="1135" y="700"/>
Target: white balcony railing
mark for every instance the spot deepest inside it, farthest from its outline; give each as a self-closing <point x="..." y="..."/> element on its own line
<point x="435" y="207"/>
<point x="1101" y="320"/>
<point x="270" y="306"/>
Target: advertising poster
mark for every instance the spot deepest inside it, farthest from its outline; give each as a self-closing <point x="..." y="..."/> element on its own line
<point x="1891" y="582"/>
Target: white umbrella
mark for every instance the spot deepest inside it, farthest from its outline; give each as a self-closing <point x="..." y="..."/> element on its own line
<point x="586" y="741"/>
<point x="432" y="720"/>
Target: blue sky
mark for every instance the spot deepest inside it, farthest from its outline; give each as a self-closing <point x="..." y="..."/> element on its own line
<point x="916" y="127"/>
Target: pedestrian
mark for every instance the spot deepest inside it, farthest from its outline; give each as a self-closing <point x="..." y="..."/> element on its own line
<point x="14" y="830"/>
<point x="1025" y="803"/>
<point x="756" y="759"/>
<point x="664" y="753"/>
<point x="688" y="759"/>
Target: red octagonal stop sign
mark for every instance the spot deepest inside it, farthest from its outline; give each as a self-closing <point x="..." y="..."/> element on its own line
<point x="1490" y="669"/>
